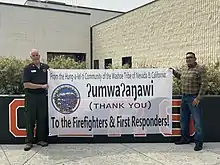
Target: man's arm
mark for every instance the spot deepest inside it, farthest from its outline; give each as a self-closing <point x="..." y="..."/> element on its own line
<point x="176" y="73"/>
<point x="27" y="80"/>
<point x="204" y="82"/>
<point x="32" y="86"/>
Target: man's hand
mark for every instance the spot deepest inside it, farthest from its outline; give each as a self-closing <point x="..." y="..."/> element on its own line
<point x="45" y="86"/>
<point x="173" y="70"/>
<point x="195" y="102"/>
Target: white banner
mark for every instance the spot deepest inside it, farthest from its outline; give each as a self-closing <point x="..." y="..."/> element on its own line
<point x="103" y="102"/>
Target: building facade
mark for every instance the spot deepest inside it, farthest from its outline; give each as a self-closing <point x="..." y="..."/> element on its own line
<point x="97" y="15"/>
<point x="52" y="31"/>
<point x="159" y="34"/>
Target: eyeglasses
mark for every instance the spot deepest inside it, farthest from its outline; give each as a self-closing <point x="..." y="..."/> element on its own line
<point x="35" y="55"/>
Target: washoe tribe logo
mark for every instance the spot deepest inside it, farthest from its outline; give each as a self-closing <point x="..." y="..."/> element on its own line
<point x="65" y="99"/>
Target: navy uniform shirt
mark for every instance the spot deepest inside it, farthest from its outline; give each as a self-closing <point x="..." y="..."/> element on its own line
<point x="35" y="75"/>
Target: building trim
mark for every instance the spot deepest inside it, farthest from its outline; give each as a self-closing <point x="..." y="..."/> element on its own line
<point x="65" y="52"/>
<point x="67" y="5"/>
<point x="91" y="49"/>
<point x="43" y="8"/>
<point x="125" y="13"/>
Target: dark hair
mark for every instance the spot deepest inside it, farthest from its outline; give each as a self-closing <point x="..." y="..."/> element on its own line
<point x="191" y="53"/>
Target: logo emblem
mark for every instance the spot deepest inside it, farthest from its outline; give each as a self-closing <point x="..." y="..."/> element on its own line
<point x="66" y="99"/>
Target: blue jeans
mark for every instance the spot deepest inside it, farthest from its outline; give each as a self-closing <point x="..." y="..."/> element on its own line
<point x="188" y="108"/>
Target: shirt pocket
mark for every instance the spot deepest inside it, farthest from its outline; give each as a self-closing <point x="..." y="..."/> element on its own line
<point x="193" y="76"/>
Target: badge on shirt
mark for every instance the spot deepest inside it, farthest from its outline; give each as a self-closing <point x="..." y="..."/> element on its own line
<point x="33" y="71"/>
<point x="44" y="70"/>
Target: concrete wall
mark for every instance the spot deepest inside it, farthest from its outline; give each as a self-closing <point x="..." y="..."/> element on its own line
<point x="23" y="28"/>
<point x="97" y="15"/>
<point x="160" y="33"/>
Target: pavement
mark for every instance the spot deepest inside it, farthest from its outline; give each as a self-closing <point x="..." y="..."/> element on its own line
<point x="111" y="154"/>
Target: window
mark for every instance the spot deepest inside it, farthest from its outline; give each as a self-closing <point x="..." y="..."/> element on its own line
<point x="78" y="57"/>
<point x="96" y="64"/>
<point x="127" y="61"/>
<point x="108" y="63"/>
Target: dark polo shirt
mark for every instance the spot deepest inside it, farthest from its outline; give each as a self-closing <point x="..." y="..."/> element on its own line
<point x="35" y="75"/>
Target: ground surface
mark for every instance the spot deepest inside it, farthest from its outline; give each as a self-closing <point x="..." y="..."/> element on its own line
<point x="111" y="154"/>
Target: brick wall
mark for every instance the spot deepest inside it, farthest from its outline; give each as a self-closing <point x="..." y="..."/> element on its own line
<point x="160" y="33"/>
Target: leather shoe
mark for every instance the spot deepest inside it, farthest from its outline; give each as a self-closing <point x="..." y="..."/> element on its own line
<point x="28" y="146"/>
<point x="42" y="143"/>
<point x="198" y="147"/>
<point x="182" y="141"/>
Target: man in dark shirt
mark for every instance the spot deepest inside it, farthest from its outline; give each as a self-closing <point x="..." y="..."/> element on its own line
<point x="35" y="84"/>
<point x="194" y="85"/>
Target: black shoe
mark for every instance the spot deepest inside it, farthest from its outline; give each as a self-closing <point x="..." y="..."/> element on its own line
<point x="42" y="143"/>
<point x="28" y="146"/>
<point x="182" y="141"/>
<point x="198" y="147"/>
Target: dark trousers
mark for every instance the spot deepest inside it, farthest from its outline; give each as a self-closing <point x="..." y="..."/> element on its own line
<point x="188" y="108"/>
<point x="36" y="112"/>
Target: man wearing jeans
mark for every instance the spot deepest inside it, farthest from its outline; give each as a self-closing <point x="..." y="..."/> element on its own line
<point x="193" y="85"/>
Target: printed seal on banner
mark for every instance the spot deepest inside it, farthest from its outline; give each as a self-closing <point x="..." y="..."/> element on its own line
<point x="65" y="98"/>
